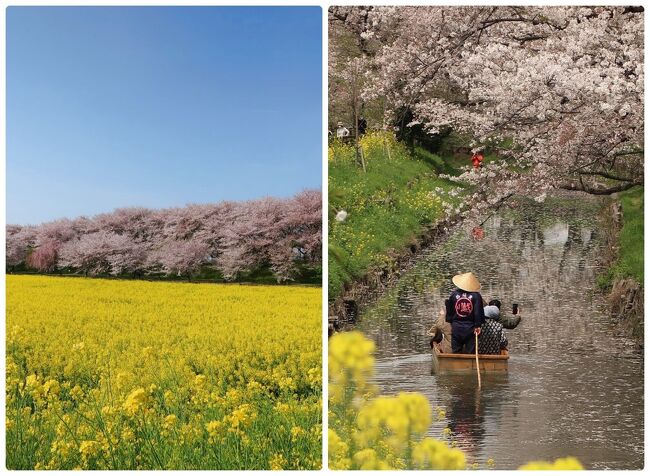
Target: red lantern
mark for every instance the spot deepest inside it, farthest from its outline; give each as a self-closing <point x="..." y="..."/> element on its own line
<point x="477" y="158"/>
<point x="478" y="233"/>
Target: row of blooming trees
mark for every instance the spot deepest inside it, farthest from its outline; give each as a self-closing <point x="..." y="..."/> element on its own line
<point x="232" y="237"/>
<point x="557" y="92"/>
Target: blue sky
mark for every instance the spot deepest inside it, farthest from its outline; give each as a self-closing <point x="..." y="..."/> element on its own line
<point x="157" y="107"/>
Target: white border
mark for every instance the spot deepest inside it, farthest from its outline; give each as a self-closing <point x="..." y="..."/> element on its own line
<point x="325" y="207"/>
<point x="324" y="5"/>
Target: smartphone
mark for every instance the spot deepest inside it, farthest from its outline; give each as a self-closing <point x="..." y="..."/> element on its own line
<point x="515" y="308"/>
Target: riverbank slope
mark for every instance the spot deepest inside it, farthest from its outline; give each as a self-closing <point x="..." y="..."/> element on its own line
<point x="623" y="280"/>
<point x="381" y="205"/>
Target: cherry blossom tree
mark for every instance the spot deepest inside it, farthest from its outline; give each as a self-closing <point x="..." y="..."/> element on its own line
<point x="556" y="92"/>
<point x="20" y="240"/>
<point x="299" y="237"/>
<point x="180" y="257"/>
<point x="44" y="258"/>
<point x="233" y="237"/>
<point x="248" y="235"/>
<point x="103" y="252"/>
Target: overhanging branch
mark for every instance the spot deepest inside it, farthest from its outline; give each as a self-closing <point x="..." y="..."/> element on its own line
<point x="582" y="187"/>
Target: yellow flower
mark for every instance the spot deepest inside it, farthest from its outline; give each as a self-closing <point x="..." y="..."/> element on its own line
<point x="215" y="430"/>
<point x="369" y="460"/>
<point x="296" y="432"/>
<point x="277" y="462"/>
<point x="170" y="421"/>
<point x="396" y="419"/>
<point x="51" y="387"/>
<point x="135" y="401"/>
<point x="78" y="347"/>
<point x="31" y="381"/>
<point x="88" y="448"/>
<point x="127" y="435"/>
<point x="199" y="381"/>
<point x="558" y="465"/>
<point x="123" y="379"/>
<point x="433" y="454"/>
<point x="76" y="393"/>
<point x="241" y="416"/>
<point x="214" y="426"/>
<point x="287" y="383"/>
<point x="337" y="451"/>
<point x="350" y="360"/>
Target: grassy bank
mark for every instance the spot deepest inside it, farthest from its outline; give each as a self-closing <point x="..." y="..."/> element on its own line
<point x="629" y="263"/>
<point x="387" y="206"/>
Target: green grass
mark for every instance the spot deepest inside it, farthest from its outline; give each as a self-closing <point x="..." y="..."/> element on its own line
<point x="388" y="206"/>
<point x="630" y="257"/>
<point x="630" y="261"/>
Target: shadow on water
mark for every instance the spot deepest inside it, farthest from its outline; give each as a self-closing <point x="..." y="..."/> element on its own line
<point x="574" y="387"/>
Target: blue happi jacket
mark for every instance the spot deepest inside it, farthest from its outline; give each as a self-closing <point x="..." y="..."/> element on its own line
<point x="464" y="311"/>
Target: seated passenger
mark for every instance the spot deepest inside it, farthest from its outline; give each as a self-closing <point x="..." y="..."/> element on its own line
<point x="441" y="334"/>
<point x="492" y="338"/>
<point x="508" y="322"/>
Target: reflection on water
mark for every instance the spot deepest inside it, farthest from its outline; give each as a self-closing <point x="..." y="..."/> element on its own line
<point x="573" y="387"/>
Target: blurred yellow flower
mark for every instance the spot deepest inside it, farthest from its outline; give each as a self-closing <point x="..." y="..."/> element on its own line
<point x="560" y="464"/>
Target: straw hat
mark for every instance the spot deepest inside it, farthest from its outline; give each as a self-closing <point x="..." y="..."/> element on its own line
<point x="467" y="282"/>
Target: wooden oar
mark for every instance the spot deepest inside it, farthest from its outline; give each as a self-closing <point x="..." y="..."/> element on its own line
<point x="478" y="367"/>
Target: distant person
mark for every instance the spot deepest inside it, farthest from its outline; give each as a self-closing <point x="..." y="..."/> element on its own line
<point x="441" y="334"/>
<point x="477" y="158"/>
<point x="341" y="131"/>
<point x="464" y="310"/>
<point x="493" y="338"/>
<point x="362" y="125"/>
<point x="508" y="322"/>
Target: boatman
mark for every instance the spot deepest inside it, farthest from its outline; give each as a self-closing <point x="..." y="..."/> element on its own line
<point x="464" y="310"/>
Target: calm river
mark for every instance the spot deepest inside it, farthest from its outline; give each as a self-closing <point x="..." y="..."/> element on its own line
<point x="574" y="387"/>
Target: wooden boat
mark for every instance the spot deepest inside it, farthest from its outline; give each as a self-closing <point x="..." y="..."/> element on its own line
<point x="467" y="362"/>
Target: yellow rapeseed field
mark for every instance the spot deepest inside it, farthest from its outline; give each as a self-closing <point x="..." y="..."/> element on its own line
<point x="108" y="374"/>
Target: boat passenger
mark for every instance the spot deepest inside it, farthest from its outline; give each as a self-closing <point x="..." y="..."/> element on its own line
<point x="441" y="334"/>
<point x="493" y="338"/>
<point x="464" y="310"/>
<point x="508" y="322"/>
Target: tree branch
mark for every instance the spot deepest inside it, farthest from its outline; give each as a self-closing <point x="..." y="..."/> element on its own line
<point x="601" y="191"/>
<point x="608" y="176"/>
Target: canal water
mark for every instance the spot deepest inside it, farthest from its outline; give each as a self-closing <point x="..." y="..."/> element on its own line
<point x="574" y="385"/>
